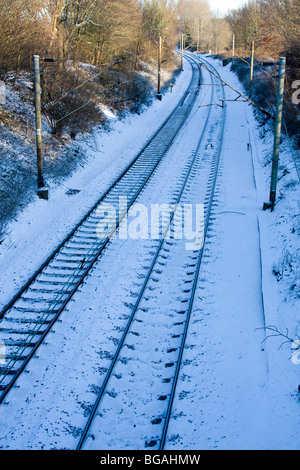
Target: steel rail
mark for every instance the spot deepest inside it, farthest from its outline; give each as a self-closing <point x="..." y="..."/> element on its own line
<point x="5" y="372"/>
<point x="85" y="217"/>
<point x="194" y="287"/>
<point x="140" y="296"/>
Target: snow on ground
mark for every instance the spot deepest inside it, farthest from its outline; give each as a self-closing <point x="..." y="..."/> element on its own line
<point x="93" y="315"/>
<point x="238" y="389"/>
<point x="39" y="228"/>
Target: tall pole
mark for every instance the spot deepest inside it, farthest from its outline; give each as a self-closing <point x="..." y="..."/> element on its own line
<point x="251" y="67"/>
<point x="159" y="63"/>
<point x="158" y="94"/>
<point x="278" y="119"/>
<point x="38" y="119"/>
<point x="181" y="51"/>
<point x="233" y="44"/>
<point x="198" y="40"/>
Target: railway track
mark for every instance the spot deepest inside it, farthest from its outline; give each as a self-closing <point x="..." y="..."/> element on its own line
<point x="169" y="254"/>
<point x="29" y="316"/>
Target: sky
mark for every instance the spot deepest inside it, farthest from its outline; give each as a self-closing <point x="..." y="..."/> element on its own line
<point x="224" y="5"/>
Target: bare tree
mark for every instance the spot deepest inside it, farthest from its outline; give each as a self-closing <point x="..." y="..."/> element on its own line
<point x="23" y="30"/>
<point x="196" y="20"/>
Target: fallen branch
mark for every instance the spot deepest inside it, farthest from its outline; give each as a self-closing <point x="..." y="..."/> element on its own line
<point x="274" y="329"/>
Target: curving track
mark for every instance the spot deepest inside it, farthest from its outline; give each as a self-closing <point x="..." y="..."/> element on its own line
<point x="29" y="316"/>
<point x="161" y="267"/>
<point x="147" y="361"/>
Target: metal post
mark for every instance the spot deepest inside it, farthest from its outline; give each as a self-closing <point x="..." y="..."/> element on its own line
<point x="38" y="119"/>
<point x="199" y="82"/>
<point x="181" y="51"/>
<point x="251" y="67"/>
<point x="158" y="72"/>
<point x="277" y="132"/>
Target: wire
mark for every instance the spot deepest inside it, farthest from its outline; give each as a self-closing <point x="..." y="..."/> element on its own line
<point x="262" y="69"/>
<point x="286" y="129"/>
<point x="75" y="110"/>
<point x="240" y="94"/>
<point x="82" y="106"/>
<point x="297" y="166"/>
<point x="53" y="103"/>
<point x="244" y="60"/>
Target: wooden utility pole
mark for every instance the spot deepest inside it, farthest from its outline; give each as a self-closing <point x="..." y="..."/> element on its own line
<point x="251" y="67"/>
<point x="158" y="95"/>
<point x="43" y="193"/>
<point x="181" y="51"/>
<point x="38" y="119"/>
<point x="277" y="132"/>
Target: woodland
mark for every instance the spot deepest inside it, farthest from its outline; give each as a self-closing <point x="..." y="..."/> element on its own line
<point x="116" y="41"/>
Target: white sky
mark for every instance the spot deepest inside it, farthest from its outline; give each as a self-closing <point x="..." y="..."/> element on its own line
<point x="224" y="5"/>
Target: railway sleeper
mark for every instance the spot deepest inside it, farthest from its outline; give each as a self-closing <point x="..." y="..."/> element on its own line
<point x="48" y="291"/>
<point x="27" y="320"/>
<point x="25" y="344"/>
<point x="30" y="310"/>
<point x="5" y="371"/>
<point x="21" y="332"/>
<point x="37" y="300"/>
<point x="15" y="357"/>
